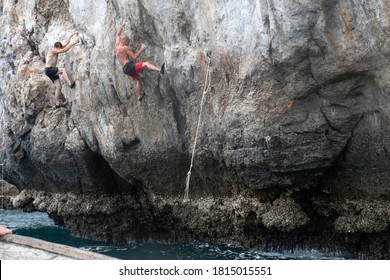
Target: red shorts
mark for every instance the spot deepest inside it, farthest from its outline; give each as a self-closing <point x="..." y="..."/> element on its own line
<point x="138" y="69"/>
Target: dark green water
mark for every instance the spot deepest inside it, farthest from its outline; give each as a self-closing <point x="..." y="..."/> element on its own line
<point x="39" y="225"/>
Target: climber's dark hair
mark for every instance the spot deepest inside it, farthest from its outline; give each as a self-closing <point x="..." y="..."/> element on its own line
<point x="58" y="45"/>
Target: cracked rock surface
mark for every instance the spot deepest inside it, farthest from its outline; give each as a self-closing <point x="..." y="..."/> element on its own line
<point x="295" y="126"/>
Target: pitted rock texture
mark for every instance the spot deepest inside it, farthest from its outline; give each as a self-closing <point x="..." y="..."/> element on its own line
<point x="298" y="102"/>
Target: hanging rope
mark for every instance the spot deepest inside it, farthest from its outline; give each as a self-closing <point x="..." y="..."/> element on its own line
<point x="207" y="85"/>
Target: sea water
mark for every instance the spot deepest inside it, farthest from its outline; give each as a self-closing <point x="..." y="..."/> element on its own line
<point x="39" y="225"/>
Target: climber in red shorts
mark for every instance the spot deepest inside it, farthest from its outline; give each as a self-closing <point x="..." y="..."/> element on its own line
<point x="127" y="59"/>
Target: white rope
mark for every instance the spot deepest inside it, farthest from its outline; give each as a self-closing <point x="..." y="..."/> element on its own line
<point x="207" y="85"/>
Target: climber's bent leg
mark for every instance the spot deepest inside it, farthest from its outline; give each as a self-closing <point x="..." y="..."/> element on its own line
<point x="66" y="77"/>
<point x="57" y="95"/>
<point x="150" y="66"/>
<point x="138" y="88"/>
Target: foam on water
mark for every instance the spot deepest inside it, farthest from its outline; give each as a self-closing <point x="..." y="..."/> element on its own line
<point x="39" y="225"/>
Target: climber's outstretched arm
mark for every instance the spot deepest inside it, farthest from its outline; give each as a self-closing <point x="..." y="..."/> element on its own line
<point x="64" y="49"/>
<point x="118" y="34"/>
<point x="66" y="41"/>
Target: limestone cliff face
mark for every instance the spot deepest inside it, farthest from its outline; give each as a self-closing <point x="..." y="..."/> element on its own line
<point x="297" y="116"/>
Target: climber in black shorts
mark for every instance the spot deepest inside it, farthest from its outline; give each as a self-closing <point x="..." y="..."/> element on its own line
<point x="53" y="72"/>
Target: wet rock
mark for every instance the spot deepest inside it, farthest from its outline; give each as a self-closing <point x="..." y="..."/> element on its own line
<point x="285" y="215"/>
<point x="364" y="216"/>
<point x="7" y="193"/>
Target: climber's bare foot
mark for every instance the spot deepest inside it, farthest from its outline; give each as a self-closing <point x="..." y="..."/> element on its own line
<point x="4" y="230"/>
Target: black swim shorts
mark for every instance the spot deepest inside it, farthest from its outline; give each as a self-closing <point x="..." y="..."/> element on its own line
<point x="129" y="68"/>
<point x="52" y="73"/>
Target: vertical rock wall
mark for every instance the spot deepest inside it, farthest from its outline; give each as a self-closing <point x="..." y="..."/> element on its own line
<point x="298" y="107"/>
